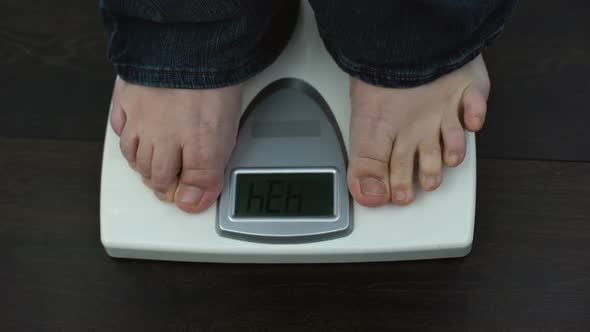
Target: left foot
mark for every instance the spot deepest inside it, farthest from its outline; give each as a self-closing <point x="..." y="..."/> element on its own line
<point x="390" y="128"/>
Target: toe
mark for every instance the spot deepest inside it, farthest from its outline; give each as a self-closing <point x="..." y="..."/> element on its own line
<point x="367" y="182"/>
<point x="368" y="171"/>
<point x="401" y="171"/>
<point x="143" y="161"/>
<point x="430" y="164"/>
<point x="165" y="168"/>
<point x="128" y="143"/>
<point x="201" y="179"/>
<point x="118" y="118"/>
<point x="474" y="109"/>
<point x="453" y="137"/>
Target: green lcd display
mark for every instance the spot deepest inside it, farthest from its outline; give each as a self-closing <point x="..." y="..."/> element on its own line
<point x="284" y="195"/>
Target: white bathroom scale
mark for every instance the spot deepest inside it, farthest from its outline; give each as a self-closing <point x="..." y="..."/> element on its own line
<point x="285" y="198"/>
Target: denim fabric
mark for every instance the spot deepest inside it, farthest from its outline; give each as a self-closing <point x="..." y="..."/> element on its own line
<point x="214" y="43"/>
<point x="405" y="43"/>
<point x="195" y="44"/>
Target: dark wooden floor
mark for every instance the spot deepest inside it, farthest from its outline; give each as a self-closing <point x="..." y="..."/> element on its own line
<point x="529" y="269"/>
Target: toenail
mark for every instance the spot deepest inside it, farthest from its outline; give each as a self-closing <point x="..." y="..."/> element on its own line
<point x="189" y="195"/>
<point x="373" y="187"/>
<point x="453" y="158"/>
<point x="478" y="120"/>
<point x="400" y="196"/>
<point x="432" y="181"/>
<point x="161" y="195"/>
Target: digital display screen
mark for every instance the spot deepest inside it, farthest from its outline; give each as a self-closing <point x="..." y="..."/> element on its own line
<point x="284" y="195"/>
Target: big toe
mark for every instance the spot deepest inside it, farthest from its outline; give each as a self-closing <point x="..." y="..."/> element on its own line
<point x="368" y="170"/>
<point x="200" y="182"/>
<point x="367" y="181"/>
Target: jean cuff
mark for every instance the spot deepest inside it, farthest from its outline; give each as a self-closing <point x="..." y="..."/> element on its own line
<point x="411" y="76"/>
<point x="192" y="78"/>
<point x="195" y="54"/>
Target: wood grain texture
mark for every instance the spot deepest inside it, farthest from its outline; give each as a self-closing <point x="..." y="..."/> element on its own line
<point x="56" y="81"/>
<point x="540" y="76"/>
<point x="529" y="269"/>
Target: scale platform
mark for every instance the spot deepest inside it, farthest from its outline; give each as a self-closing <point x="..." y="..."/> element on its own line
<point x="294" y="131"/>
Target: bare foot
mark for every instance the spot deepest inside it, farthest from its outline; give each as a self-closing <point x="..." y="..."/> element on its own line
<point x="179" y="140"/>
<point x="390" y="128"/>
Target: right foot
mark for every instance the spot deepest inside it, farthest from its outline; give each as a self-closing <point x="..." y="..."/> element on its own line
<point x="391" y="130"/>
<point x="179" y="140"/>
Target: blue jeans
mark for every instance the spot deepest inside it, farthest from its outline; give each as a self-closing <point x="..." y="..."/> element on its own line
<point x="216" y="43"/>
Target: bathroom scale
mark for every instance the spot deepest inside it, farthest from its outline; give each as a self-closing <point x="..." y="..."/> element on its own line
<point x="285" y="197"/>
